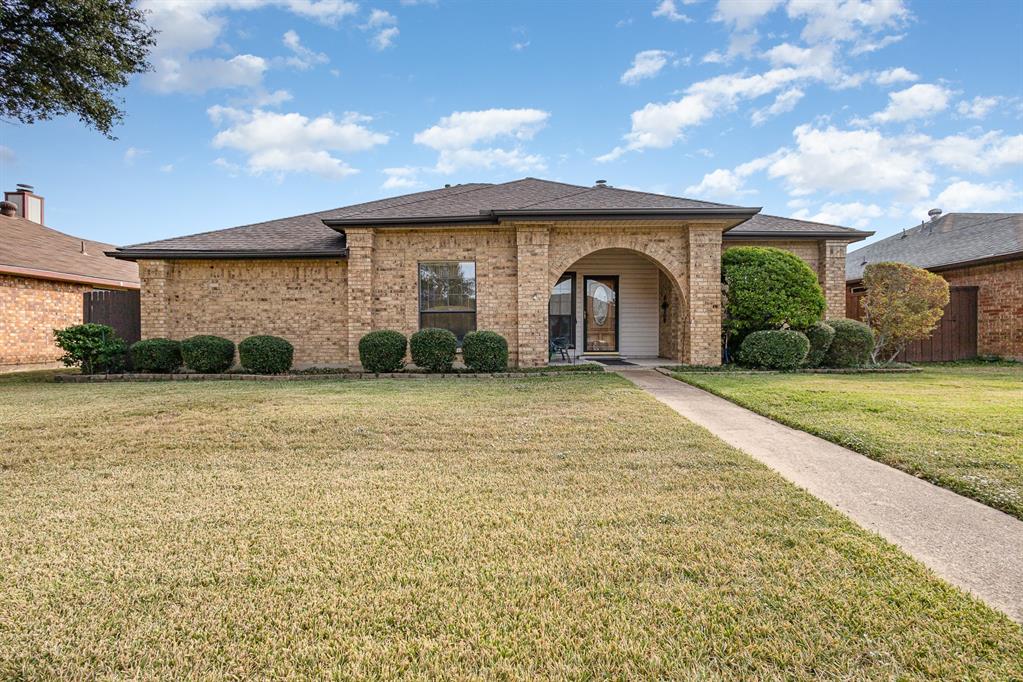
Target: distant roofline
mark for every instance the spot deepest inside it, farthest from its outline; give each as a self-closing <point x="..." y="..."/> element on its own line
<point x="39" y="273"/>
<point x="853" y="235"/>
<point x="128" y="253"/>
<point x="983" y="260"/>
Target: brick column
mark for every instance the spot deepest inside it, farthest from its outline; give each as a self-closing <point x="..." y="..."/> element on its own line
<point x="359" y="288"/>
<point x="154" y="298"/>
<point x="532" y="243"/>
<point x="704" y="323"/>
<point x="832" y="276"/>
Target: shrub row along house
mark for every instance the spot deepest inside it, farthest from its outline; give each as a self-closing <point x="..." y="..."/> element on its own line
<point x="980" y="255"/>
<point x="43" y="276"/>
<point x="601" y="271"/>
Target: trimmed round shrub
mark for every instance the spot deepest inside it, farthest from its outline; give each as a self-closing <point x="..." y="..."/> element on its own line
<point x="266" y="354"/>
<point x="207" y="354"/>
<point x="382" y="351"/>
<point x="774" y="349"/>
<point x="768" y="288"/>
<point x="485" y="352"/>
<point x="851" y="346"/>
<point x="433" y="349"/>
<point x="162" y="356"/>
<point x="820" y="335"/>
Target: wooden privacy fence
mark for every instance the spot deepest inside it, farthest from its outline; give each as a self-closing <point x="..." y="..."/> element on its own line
<point x="955" y="337"/>
<point x="119" y="309"/>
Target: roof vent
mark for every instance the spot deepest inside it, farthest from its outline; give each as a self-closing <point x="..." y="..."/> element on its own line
<point x="27" y="188"/>
<point x="600" y="183"/>
<point x="8" y="208"/>
<point x="934" y="213"/>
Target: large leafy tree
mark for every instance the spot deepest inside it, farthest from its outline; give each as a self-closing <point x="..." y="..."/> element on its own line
<point x="903" y="304"/>
<point x="61" y="57"/>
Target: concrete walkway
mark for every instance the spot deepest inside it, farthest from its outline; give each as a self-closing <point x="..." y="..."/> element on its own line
<point x="970" y="545"/>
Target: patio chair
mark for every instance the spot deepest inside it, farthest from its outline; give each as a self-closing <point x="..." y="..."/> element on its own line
<point x="559" y="346"/>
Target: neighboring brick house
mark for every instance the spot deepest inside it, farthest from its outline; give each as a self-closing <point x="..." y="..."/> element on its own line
<point x="981" y="257"/>
<point x="607" y="271"/>
<point x="43" y="274"/>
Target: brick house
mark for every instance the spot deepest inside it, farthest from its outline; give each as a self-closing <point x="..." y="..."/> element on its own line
<point x="603" y="270"/>
<point x="43" y="274"/>
<point x="981" y="257"/>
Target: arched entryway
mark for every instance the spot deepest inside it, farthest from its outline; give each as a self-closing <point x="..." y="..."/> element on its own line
<point x="616" y="302"/>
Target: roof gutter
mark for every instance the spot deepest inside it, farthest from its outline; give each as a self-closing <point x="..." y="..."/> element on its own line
<point x="850" y="235"/>
<point x="180" y="254"/>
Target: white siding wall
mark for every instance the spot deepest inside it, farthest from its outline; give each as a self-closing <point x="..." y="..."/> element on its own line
<point x="637" y="299"/>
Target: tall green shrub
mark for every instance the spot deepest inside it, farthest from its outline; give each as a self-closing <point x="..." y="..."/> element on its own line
<point x="162" y="356"/>
<point x="852" y="345"/>
<point x="92" y="347"/>
<point x="266" y="354"/>
<point x="382" y="351"/>
<point x="207" y="354"/>
<point x="768" y="288"/>
<point x="433" y="349"/>
<point x="485" y="351"/>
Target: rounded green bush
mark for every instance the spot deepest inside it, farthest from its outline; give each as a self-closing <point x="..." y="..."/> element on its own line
<point x="820" y="335"/>
<point x="266" y="354"/>
<point x="768" y="288"/>
<point x="382" y="351"/>
<point x="485" y="351"/>
<point x="851" y="346"/>
<point x="161" y="356"/>
<point x="774" y="349"/>
<point x="433" y="349"/>
<point x="207" y="354"/>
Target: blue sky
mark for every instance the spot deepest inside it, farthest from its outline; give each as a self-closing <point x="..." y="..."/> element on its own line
<point x="846" y="111"/>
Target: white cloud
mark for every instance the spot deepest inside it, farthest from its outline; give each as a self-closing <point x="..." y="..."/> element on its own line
<point x="263" y="98"/>
<point x="727" y="184"/>
<point x="167" y="168"/>
<point x="978" y="107"/>
<point x="983" y="154"/>
<point x="668" y="10"/>
<point x="520" y="46"/>
<point x="743" y="14"/>
<point x="917" y="101"/>
<point x="646" y="64"/>
<point x="897" y="75"/>
<point x="867" y="46"/>
<point x="303" y="58"/>
<point x="833" y="160"/>
<point x="283" y="143"/>
<point x="968" y="196"/>
<point x="455" y="137"/>
<point x="659" y="125"/>
<point x="189" y="26"/>
<point x="403" y="177"/>
<point x="784" y="102"/>
<point x="854" y="214"/>
<point x="384" y="25"/>
<point x="7" y="154"/>
<point x="846" y="20"/>
<point x="132" y="154"/>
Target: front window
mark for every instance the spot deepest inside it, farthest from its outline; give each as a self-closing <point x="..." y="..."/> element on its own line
<point x="561" y="312"/>
<point x="447" y="296"/>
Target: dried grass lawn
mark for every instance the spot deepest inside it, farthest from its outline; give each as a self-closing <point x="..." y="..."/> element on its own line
<point x="558" y="527"/>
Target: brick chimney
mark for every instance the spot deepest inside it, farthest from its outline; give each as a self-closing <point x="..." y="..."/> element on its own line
<point x="27" y="203"/>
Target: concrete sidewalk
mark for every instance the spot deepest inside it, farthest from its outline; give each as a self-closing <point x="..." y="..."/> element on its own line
<point x="970" y="545"/>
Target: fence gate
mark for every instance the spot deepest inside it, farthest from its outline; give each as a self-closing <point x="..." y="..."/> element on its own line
<point x="119" y="309"/>
<point x="955" y="337"/>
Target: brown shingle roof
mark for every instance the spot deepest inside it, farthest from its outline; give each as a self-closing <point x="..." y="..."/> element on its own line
<point x="951" y="239"/>
<point x="771" y="224"/>
<point x="476" y="202"/>
<point x="28" y="248"/>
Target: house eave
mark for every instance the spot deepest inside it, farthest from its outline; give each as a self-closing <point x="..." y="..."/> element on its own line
<point x="985" y="260"/>
<point x="38" y="273"/>
<point x="221" y="254"/>
<point x="855" y="236"/>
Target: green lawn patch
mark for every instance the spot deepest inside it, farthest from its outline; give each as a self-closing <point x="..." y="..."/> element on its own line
<point x="551" y="527"/>
<point x="960" y="427"/>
